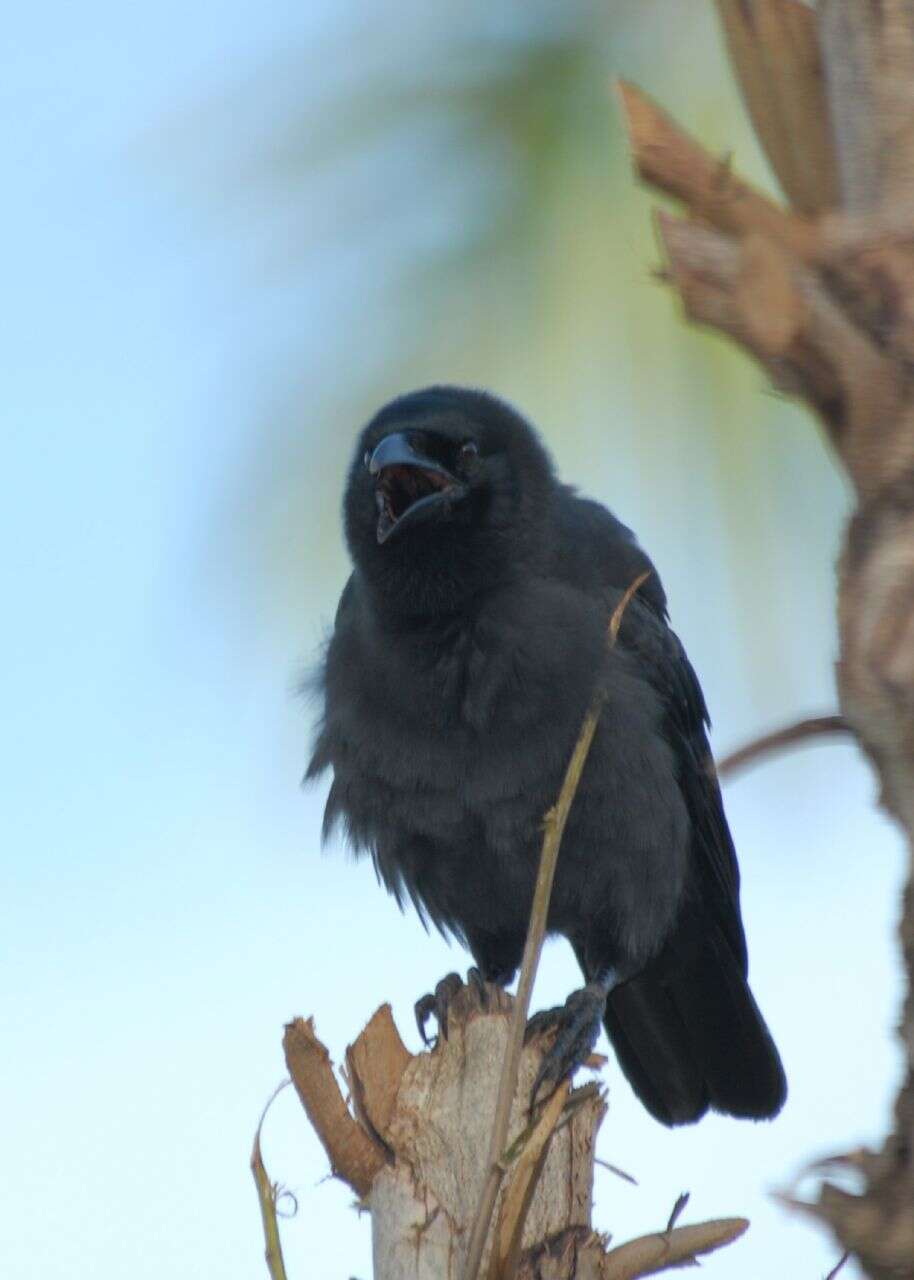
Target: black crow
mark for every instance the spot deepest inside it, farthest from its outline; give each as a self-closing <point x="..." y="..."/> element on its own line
<point x="467" y="646"/>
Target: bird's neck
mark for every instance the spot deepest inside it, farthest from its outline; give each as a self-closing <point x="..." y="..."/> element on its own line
<point x="436" y="625"/>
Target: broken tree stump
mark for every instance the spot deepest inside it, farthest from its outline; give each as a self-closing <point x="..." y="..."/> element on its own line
<point x="411" y="1141"/>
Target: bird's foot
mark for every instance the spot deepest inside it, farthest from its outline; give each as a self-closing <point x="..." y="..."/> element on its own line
<point x="437" y="1003"/>
<point x="576" y="1024"/>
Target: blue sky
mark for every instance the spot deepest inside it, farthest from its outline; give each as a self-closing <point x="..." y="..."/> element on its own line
<point x="165" y="904"/>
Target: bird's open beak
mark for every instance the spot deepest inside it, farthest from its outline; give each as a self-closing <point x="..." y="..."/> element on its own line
<point x="409" y="484"/>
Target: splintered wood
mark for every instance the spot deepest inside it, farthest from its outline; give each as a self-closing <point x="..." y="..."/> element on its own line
<point x="412" y="1141"/>
<point x="820" y="291"/>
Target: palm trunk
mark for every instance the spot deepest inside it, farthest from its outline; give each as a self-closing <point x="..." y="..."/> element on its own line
<point x="414" y="1144"/>
<point x="821" y="292"/>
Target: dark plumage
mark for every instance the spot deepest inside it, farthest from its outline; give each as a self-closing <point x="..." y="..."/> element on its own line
<point x="467" y="645"/>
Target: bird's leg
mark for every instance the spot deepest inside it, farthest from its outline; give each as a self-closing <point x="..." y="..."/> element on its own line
<point x="438" y="1001"/>
<point x="577" y="1024"/>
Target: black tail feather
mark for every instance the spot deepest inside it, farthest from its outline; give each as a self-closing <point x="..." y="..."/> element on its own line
<point x="740" y="1062"/>
<point x="688" y="1034"/>
<point x="655" y="1052"/>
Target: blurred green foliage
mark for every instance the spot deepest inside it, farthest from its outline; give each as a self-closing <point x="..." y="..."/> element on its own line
<point x="443" y="193"/>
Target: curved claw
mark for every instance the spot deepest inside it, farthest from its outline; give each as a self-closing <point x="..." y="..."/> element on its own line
<point x="479" y="985"/>
<point x="577" y="1025"/>
<point x="424" y="1008"/>
<point x="437" y="1003"/>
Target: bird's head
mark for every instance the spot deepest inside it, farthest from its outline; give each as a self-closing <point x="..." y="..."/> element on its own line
<point x="449" y="494"/>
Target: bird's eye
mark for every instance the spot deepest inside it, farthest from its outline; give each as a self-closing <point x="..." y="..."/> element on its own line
<point x="469" y="451"/>
<point x="367" y="458"/>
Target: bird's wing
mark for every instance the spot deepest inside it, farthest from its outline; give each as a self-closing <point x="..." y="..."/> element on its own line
<point x="595" y="551"/>
<point x="665" y="665"/>
<point x="600" y="555"/>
